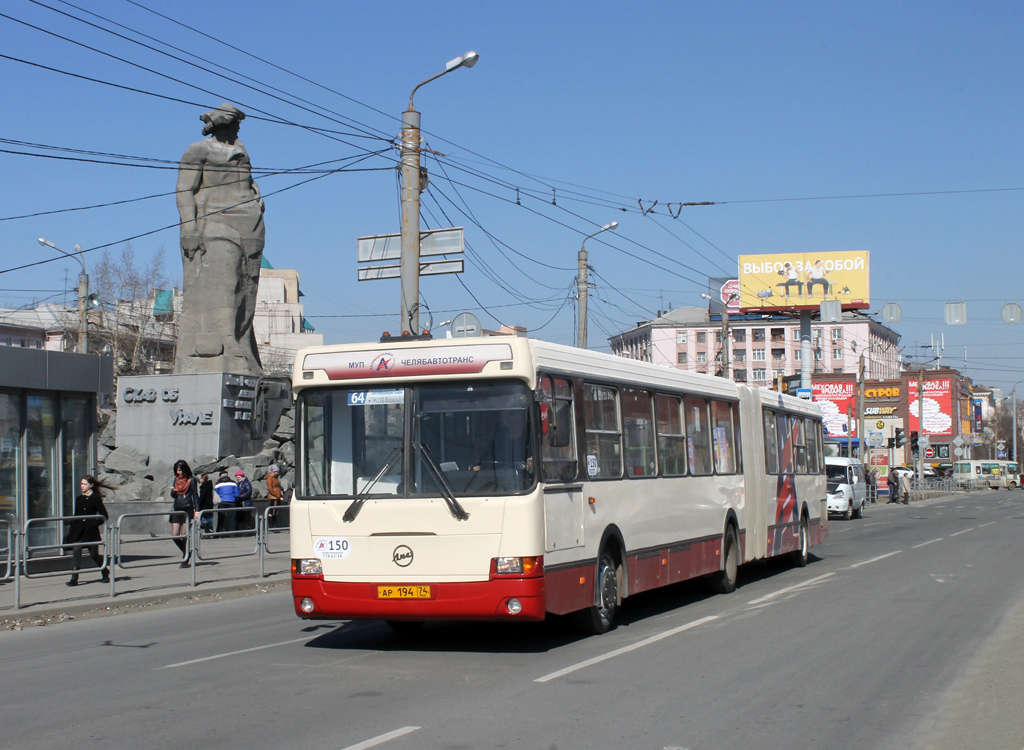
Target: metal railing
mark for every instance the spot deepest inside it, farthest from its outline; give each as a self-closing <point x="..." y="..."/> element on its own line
<point x="200" y="546"/>
<point x="7" y="539"/>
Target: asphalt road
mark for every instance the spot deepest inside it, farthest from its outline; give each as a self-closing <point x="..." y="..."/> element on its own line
<point x="905" y="631"/>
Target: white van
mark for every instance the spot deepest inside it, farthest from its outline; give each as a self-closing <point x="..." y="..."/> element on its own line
<point x="847" y="486"/>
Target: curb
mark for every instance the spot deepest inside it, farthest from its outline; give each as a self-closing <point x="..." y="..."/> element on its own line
<point x="52" y="613"/>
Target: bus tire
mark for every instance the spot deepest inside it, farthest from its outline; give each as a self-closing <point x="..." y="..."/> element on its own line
<point x="799" y="558"/>
<point x="859" y="512"/>
<point x="405" y="627"/>
<point x="848" y="513"/>
<point x="598" y="619"/>
<point x="724" y="581"/>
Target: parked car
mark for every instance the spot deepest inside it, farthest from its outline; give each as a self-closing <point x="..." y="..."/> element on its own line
<point x="847" y="486"/>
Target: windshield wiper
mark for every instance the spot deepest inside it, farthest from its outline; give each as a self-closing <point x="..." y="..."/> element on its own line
<point x="447" y="492"/>
<point x="353" y="510"/>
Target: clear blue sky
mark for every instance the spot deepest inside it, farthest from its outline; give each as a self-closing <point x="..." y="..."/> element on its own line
<point x="775" y="111"/>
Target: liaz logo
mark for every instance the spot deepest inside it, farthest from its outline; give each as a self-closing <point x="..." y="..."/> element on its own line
<point x="402" y="556"/>
<point x="383" y="362"/>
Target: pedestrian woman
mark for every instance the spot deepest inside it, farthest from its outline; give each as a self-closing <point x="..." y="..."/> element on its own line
<point x="206" y="502"/>
<point x="82" y="530"/>
<point x="274" y="493"/>
<point x="185" y="494"/>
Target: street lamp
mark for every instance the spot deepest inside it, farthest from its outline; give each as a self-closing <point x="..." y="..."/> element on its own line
<point x="411" y="187"/>
<point x="581" y="287"/>
<point x="83" y="296"/>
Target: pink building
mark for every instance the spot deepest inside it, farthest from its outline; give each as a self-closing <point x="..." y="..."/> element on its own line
<point x="761" y="348"/>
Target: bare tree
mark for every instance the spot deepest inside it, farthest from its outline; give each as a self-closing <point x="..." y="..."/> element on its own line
<point x="126" y="326"/>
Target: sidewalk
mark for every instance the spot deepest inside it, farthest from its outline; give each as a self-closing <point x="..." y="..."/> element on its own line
<point x="151" y="576"/>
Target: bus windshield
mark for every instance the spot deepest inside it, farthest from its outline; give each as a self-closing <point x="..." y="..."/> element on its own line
<point x="361" y="442"/>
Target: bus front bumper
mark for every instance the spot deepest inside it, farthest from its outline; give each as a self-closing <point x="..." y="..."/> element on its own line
<point x="499" y="599"/>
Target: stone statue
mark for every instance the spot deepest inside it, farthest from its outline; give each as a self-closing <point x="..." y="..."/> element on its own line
<point x="222" y="237"/>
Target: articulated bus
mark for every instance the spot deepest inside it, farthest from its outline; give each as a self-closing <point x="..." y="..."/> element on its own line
<point x="505" y="478"/>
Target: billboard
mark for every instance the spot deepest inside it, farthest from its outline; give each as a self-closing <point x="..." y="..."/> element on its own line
<point x="937" y="407"/>
<point x="802" y="281"/>
<point x="837" y="403"/>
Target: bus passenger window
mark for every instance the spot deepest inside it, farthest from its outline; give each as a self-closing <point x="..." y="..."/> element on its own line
<point x="671" y="441"/>
<point x="558" y="442"/>
<point x="698" y="436"/>
<point x="813" y="432"/>
<point x="785" y="434"/>
<point x="724" y="439"/>
<point x="771" y="443"/>
<point x="799" y="446"/>
<point x="604" y="438"/>
<point x="638" y="433"/>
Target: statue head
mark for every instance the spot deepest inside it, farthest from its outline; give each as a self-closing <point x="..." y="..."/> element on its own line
<point x="225" y="116"/>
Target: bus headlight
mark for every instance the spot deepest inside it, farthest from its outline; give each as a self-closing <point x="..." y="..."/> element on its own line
<point x="307" y="605"/>
<point x="311" y="567"/>
<point x="517" y="566"/>
<point x="514" y="606"/>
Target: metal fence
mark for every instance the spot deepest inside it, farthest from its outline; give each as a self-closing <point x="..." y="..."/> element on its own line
<point x="124" y="551"/>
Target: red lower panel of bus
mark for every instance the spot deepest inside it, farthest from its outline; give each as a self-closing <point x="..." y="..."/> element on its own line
<point x="484" y="600"/>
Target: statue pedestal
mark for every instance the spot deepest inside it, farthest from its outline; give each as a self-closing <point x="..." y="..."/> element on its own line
<point x="185" y="416"/>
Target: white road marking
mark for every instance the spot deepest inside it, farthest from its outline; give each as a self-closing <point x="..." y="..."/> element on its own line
<point x="986" y="524"/>
<point x="236" y="653"/>
<point x="381" y="739"/>
<point x="958" y="533"/>
<point x="877" y="523"/>
<point x="932" y="541"/>
<point x="624" y="649"/>
<point x="873" y="559"/>
<point x="795" y="587"/>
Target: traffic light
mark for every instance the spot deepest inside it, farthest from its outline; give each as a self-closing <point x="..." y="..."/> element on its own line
<point x="913" y="442"/>
<point x="901" y="437"/>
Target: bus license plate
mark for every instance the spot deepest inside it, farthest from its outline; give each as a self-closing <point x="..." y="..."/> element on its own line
<point x="403" y="592"/>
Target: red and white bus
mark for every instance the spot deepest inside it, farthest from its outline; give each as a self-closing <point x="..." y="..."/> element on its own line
<point x="505" y="478"/>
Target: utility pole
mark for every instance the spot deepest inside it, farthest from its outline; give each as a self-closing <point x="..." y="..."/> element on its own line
<point x="411" y="187"/>
<point x="581" y="287"/>
<point x="860" y="408"/>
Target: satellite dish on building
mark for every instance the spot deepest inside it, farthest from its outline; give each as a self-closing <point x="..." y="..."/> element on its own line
<point x="465" y="325"/>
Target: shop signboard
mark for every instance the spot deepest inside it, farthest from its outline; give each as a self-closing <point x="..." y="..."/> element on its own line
<point x="836" y="401"/>
<point x="932" y="413"/>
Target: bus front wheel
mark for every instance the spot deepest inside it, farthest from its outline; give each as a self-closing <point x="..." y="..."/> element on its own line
<point x="599" y="618"/>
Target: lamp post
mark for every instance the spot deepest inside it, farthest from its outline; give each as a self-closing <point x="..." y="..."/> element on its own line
<point x="411" y="187"/>
<point x="83" y="296"/>
<point x="1013" y="395"/>
<point x="581" y="287"/>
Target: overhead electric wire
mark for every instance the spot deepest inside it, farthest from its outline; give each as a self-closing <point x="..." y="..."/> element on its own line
<point x="171" y="226"/>
<point x="172" y="78"/>
<point x="356" y="125"/>
<point x="176" y="58"/>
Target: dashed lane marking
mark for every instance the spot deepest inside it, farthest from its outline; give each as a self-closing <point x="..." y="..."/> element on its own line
<point x="624" y="650"/>
<point x="788" y="589"/>
<point x="236" y="653"/>
<point x="930" y="541"/>
<point x="872" y="560"/>
<point x="380" y="739"/>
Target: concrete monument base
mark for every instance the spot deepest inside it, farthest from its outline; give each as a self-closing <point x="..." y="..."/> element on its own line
<point x="202" y="415"/>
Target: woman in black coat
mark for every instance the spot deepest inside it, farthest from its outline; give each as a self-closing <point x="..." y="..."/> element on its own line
<point x="206" y="501"/>
<point x="81" y="530"/>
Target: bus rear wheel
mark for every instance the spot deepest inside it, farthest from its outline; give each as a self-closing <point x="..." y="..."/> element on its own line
<point x="724" y="581"/>
<point x="799" y="557"/>
<point x="599" y="618"/>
